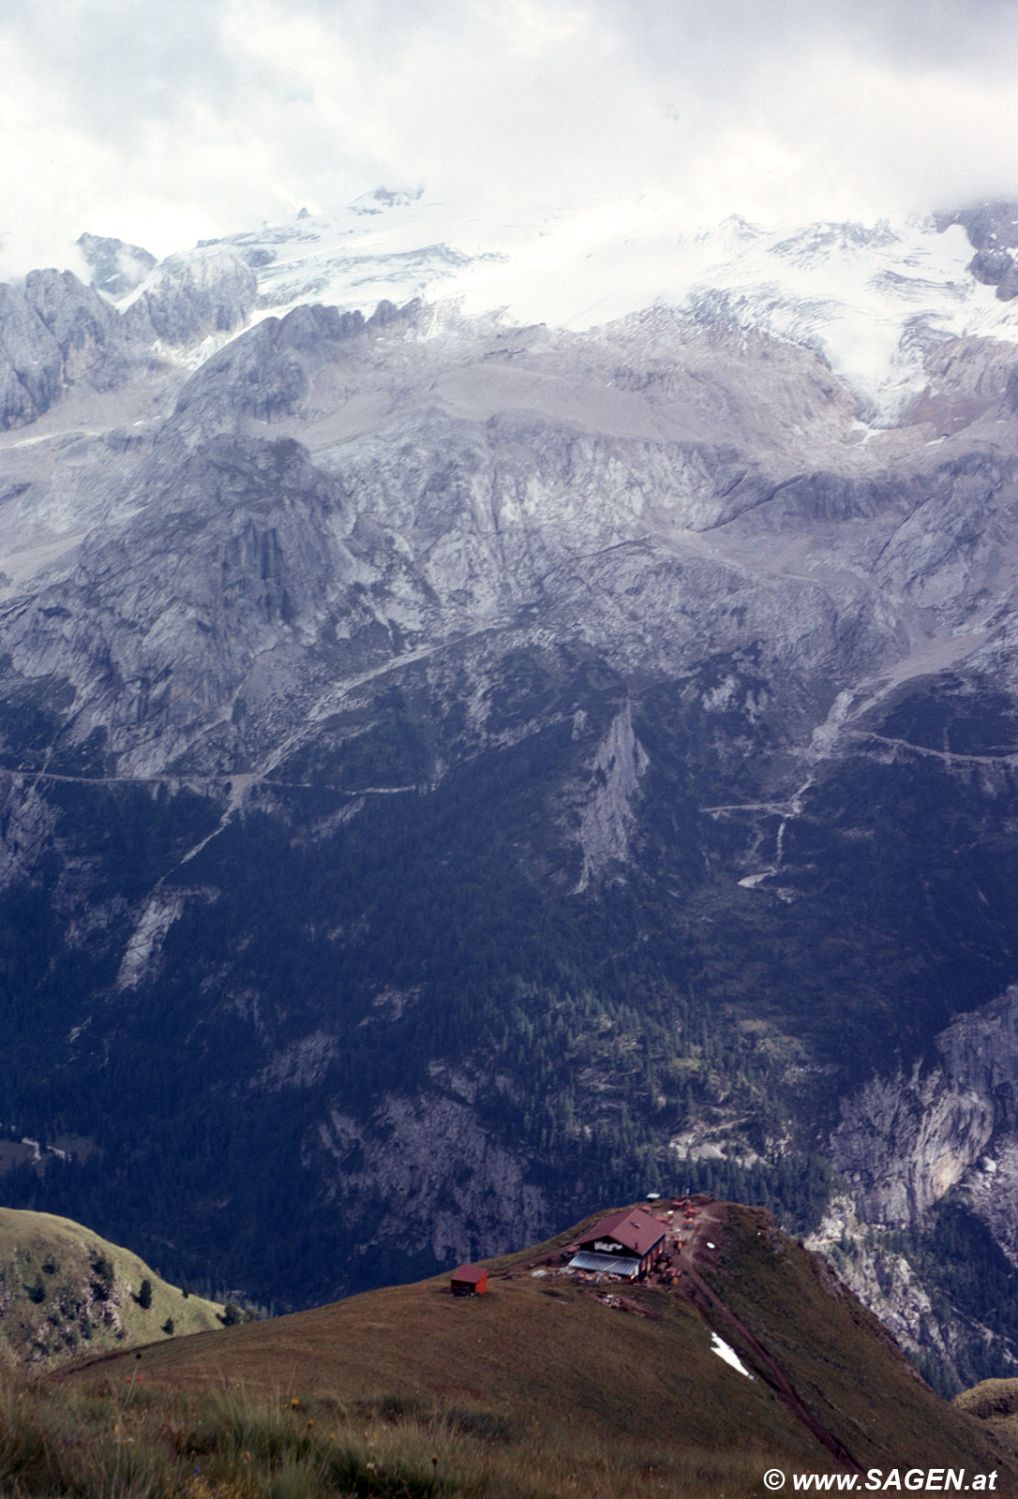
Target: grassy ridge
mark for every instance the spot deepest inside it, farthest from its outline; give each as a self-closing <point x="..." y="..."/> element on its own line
<point x="64" y="1292"/>
<point x="543" y="1388"/>
<point x="845" y="1366"/>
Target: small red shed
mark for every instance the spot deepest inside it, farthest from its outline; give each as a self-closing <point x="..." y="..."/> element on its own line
<point x="469" y="1280"/>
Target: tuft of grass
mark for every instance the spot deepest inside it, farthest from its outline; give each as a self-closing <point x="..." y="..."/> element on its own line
<point x="991" y="1399"/>
<point x="994" y="1404"/>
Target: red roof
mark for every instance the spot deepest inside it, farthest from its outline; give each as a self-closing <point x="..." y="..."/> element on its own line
<point x="634" y="1229"/>
<point x="470" y="1273"/>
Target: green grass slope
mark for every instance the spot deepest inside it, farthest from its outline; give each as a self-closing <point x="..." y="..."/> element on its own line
<point x="563" y="1388"/>
<point x="64" y="1291"/>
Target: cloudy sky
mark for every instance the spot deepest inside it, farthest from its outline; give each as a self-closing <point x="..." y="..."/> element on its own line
<point x="162" y="124"/>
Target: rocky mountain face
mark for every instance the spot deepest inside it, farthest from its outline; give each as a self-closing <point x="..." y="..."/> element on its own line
<point x="992" y="229"/>
<point x="116" y="267"/>
<point x="908" y="1144"/>
<point x="58" y="335"/>
<point x="453" y="769"/>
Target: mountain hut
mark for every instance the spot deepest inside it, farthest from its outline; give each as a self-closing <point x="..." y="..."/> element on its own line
<point x="469" y="1280"/>
<point x="628" y="1244"/>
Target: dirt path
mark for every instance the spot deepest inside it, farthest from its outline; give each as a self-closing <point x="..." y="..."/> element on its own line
<point x="230" y="779"/>
<point x="1006" y="756"/>
<point x="709" y="1228"/>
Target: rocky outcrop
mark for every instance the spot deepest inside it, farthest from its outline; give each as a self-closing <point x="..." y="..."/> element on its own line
<point x="267" y="373"/>
<point x="990" y="1187"/>
<point x="116" y="266"/>
<point x="76" y="316"/>
<point x="161" y="911"/>
<point x="189" y="297"/>
<point x="992" y="230"/>
<point x="995" y="266"/>
<point x="153" y="650"/>
<point x="988" y="225"/>
<point x="448" y="1186"/>
<point x="56" y="333"/>
<point x="607" y="815"/>
<point x="31" y="361"/>
<point x="991" y="265"/>
<point x="877" y="1270"/>
<point x="905" y="1141"/>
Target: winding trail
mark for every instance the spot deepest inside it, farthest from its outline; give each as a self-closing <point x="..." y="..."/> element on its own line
<point x="1006" y="757"/>
<point x="720" y="1318"/>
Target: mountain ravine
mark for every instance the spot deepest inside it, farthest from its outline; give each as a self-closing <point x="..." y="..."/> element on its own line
<point x="455" y="770"/>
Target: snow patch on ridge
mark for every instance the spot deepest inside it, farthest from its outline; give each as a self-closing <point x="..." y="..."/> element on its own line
<point x="727" y="1352"/>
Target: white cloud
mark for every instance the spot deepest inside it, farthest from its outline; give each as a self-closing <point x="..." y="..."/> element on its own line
<point x="172" y="124"/>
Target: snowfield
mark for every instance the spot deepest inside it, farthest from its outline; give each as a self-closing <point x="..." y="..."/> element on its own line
<point x="872" y="298"/>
